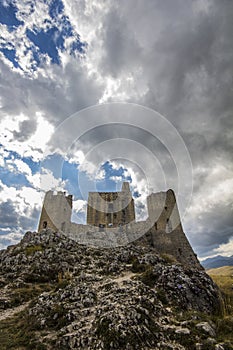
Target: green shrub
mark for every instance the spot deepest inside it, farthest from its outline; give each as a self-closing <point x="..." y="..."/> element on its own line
<point x="57" y="317"/>
<point x="148" y="277"/>
<point x="169" y="259"/>
<point x="162" y="296"/>
<point x="137" y="267"/>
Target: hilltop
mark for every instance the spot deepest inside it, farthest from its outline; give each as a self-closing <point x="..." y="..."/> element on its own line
<point x="58" y="294"/>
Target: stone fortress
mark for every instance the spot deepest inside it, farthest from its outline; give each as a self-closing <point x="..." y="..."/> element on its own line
<point x="111" y="222"/>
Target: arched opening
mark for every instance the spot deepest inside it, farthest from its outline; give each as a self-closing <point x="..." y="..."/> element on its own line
<point x="168" y="226"/>
<point x="63" y="226"/>
<point x="45" y="224"/>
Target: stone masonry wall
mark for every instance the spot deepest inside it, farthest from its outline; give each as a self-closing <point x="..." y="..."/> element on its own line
<point x="110" y="209"/>
<point x="162" y="229"/>
<point x="56" y="211"/>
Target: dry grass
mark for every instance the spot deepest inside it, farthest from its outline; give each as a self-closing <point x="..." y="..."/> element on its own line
<point x="223" y="277"/>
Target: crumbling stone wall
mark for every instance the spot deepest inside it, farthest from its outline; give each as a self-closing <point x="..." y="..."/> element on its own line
<point x="162" y="230"/>
<point x="174" y="243"/>
<point x="56" y="211"/>
<point x="163" y="211"/>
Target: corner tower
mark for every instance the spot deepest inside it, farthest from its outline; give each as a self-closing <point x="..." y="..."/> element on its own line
<point x="56" y="211"/>
<point x="163" y="211"/>
<point x="166" y="234"/>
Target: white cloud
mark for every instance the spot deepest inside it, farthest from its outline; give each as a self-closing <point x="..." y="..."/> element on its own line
<point x="49" y="182"/>
<point x="24" y="199"/>
<point x="215" y="189"/>
<point x="80" y="205"/>
<point x="22" y="167"/>
<point x="116" y="178"/>
<point x="225" y="249"/>
<point x="11" y="237"/>
<point x="34" y="145"/>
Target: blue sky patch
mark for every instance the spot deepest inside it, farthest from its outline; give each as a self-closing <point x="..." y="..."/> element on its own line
<point x="56" y="8"/>
<point x="11" y="55"/>
<point x="12" y="179"/>
<point x="43" y="41"/>
<point x="34" y="166"/>
<point x="8" y="15"/>
<point x="47" y="42"/>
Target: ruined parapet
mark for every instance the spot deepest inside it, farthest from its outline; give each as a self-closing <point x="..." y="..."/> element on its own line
<point x="56" y="211"/>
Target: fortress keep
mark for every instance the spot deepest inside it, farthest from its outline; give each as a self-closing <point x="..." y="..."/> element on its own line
<point x="110" y="209"/>
<point x="111" y="222"/>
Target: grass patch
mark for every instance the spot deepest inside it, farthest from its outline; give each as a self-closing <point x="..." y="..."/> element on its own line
<point x="22" y="295"/>
<point x="19" y="332"/>
<point x="63" y="280"/>
<point x="169" y="259"/>
<point x="148" y="277"/>
<point x="225" y="283"/>
<point x="224" y="329"/>
<point x="107" y="334"/>
<point x="57" y="317"/>
<point x="138" y="267"/>
<point x="32" y="249"/>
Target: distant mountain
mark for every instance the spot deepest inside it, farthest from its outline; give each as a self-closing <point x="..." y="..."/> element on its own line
<point x="217" y="261"/>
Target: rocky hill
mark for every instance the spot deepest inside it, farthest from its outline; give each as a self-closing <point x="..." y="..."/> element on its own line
<point x="57" y="294"/>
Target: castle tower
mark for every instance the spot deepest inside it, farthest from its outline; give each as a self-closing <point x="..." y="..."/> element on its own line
<point x="163" y="211"/>
<point x="125" y="187"/>
<point x="166" y="234"/>
<point x="110" y="209"/>
<point x="56" y="211"/>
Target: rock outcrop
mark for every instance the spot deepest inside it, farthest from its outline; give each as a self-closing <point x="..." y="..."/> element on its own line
<point x="88" y="298"/>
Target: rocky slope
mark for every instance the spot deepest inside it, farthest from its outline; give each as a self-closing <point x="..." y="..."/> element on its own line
<point x="57" y="294"/>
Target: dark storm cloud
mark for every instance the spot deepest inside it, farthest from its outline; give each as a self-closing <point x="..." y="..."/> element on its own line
<point x="217" y="229"/>
<point x="179" y="57"/>
<point x="10" y="218"/>
<point x="57" y="98"/>
<point x="185" y="53"/>
<point x="121" y="48"/>
<point x="27" y="128"/>
<point x="8" y="215"/>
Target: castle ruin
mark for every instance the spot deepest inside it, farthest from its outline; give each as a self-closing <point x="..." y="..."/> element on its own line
<point x="111" y="209"/>
<point x="111" y="222"/>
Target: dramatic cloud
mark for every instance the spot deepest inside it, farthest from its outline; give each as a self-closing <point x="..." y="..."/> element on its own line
<point x="175" y="57"/>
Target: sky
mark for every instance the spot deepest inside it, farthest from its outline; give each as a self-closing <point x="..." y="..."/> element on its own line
<point x="93" y="93"/>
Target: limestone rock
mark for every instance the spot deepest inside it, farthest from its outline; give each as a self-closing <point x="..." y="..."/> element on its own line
<point x="89" y="298"/>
